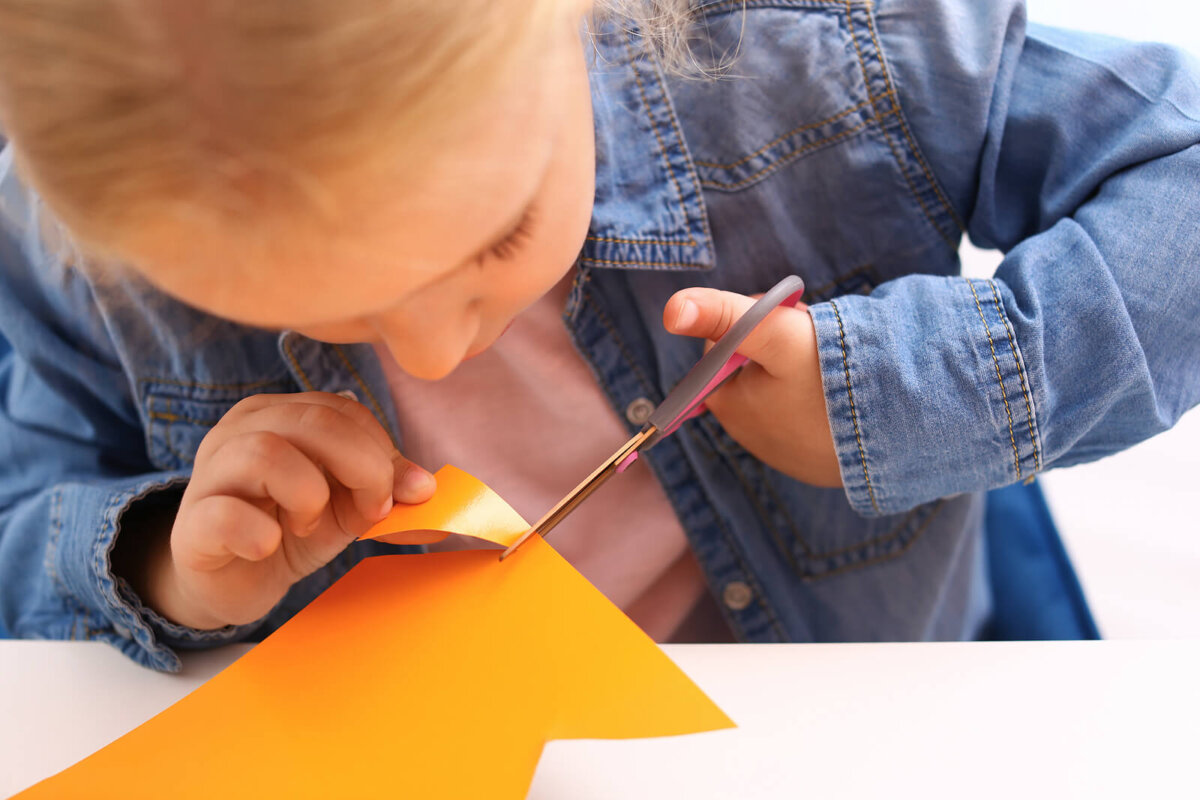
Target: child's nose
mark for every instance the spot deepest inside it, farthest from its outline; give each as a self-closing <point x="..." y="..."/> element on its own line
<point x="432" y="356"/>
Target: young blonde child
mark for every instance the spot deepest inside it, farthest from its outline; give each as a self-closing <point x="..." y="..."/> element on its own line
<point x="259" y="257"/>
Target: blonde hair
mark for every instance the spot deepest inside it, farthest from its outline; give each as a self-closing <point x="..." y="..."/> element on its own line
<point x="121" y="108"/>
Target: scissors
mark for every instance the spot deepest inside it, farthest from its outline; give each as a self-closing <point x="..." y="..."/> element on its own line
<point x="684" y="402"/>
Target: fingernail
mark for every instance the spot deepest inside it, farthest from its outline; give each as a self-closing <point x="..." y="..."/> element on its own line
<point x="385" y="509"/>
<point x="689" y="312"/>
<point x="415" y="483"/>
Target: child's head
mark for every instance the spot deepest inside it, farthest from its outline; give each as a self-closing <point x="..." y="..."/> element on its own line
<point x="414" y="172"/>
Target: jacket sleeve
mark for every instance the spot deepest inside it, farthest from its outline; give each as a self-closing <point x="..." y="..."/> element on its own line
<point x="72" y="457"/>
<point x="1079" y="157"/>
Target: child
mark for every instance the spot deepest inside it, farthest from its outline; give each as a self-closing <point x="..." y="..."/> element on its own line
<point x="297" y="222"/>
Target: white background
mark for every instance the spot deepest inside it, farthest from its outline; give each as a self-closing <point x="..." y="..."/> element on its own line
<point x="1131" y="521"/>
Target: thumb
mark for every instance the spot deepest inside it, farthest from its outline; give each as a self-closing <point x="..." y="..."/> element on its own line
<point x="410" y="483"/>
<point x="776" y="344"/>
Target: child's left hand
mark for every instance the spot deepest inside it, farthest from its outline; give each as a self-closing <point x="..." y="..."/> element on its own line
<point x="775" y="407"/>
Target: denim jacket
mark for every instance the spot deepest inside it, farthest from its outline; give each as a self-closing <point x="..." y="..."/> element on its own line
<point x="850" y="142"/>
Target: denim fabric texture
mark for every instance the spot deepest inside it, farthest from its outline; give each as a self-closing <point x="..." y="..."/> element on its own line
<point x="852" y="143"/>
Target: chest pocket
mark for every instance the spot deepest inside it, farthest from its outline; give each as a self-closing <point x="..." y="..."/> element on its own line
<point x="815" y="529"/>
<point x="789" y="81"/>
<point x="179" y="414"/>
<point x="802" y="148"/>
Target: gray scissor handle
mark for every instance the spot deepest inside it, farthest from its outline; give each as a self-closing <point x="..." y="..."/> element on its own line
<point x="718" y="364"/>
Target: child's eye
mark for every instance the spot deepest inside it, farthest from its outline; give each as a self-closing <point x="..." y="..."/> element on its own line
<point x="511" y="244"/>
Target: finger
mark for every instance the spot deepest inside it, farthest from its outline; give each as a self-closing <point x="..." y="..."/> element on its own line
<point x="775" y="344"/>
<point x="359" y="413"/>
<point x="411" y="483"/>
<point x="263" y="465"/>
<point x="215" y="530"/>
<point x="740" y="391"/>
<point x="354" y="410"/>
<point x="347" y="511"/>
<point x="335" y="442"/>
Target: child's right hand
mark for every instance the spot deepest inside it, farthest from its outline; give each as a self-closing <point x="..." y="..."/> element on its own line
<point x="280" y="486"/>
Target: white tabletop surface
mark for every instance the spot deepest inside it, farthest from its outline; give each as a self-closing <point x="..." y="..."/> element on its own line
<point x="1070" y="719"/>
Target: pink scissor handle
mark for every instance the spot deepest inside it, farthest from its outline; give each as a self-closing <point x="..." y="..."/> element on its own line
<point x="719" y="364"/>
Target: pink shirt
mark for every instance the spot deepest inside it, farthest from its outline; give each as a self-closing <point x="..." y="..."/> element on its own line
<point x="527" y="417"/>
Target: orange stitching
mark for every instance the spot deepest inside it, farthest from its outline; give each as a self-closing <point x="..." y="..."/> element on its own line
<point x="186" y="459"/>
<point x="773" y="498"/>
<point x="730" y="4"/>
<point x="337" y="348"/>
<point x="875" y="541"/>
<point x="825" y="287"/>
<point x="883" y="539"/>
<point x="887" y="77"/>
<point x="732" y="544"/>
<point x="167" y="438"/>
<point x="165" y="417"/>
<point x="214" y="386"/>
<point x="913" y="187"/>
<point x="52" y="545"/>
<point x="999" y="378"/>
<point x="895" y="109"/>
<point x="1020" y="373"/>
<point x="779" y="139"/>
<point x="747" y="489"/>
<point x="789" y="158"/>
<point x="665" y="242"/>
<point x="612" y="331"/>
<point x="691" y="168"/>
<point x="888" y="556"/>
<point x="670" y="264"/>
<point x="878" y="541"/>
<point x="287" y="348"/>
<point x="862" y="455"/>
<point x="862" y="64"/>
<point x="662" y="147"/>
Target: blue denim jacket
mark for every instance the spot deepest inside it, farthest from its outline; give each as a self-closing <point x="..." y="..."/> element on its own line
<point x="852" y="143"/>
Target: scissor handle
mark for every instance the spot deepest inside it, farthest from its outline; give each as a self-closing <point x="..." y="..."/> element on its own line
<point x="719" y="364"/>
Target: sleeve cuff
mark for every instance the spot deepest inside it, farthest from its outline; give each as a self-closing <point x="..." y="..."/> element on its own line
<point x="927" y="393"/>
<point x="84" y="523"/>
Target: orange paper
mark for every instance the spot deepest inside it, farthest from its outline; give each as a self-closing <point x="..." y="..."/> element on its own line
<point x="438" y="675"/>
<point x="463" y="504"/>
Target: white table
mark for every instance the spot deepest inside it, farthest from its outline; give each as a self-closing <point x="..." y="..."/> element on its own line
<point x="1072" y="719"/>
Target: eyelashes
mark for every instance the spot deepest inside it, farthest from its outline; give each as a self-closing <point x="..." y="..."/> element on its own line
<point x="510" y="246"/>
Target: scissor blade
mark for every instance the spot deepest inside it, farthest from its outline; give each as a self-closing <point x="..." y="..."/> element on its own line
<point x="584" y="490"/>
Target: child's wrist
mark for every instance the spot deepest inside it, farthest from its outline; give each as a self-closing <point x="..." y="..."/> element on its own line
<point x="142" y="556"/>
<point x="169" y="595"/>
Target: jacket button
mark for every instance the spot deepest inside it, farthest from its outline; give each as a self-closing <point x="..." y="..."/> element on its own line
<point x="737" y="595"/>
<point x="639" y="411"/>
<point x="349" y="395"/>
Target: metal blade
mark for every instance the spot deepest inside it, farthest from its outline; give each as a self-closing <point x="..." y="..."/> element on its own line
<point x="584" y="490"/>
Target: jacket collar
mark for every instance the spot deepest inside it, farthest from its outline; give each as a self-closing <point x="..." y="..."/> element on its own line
<point x="649" y="211"/>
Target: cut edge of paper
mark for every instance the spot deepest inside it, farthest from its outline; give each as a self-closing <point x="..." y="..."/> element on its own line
<point x="462" y="505"/>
